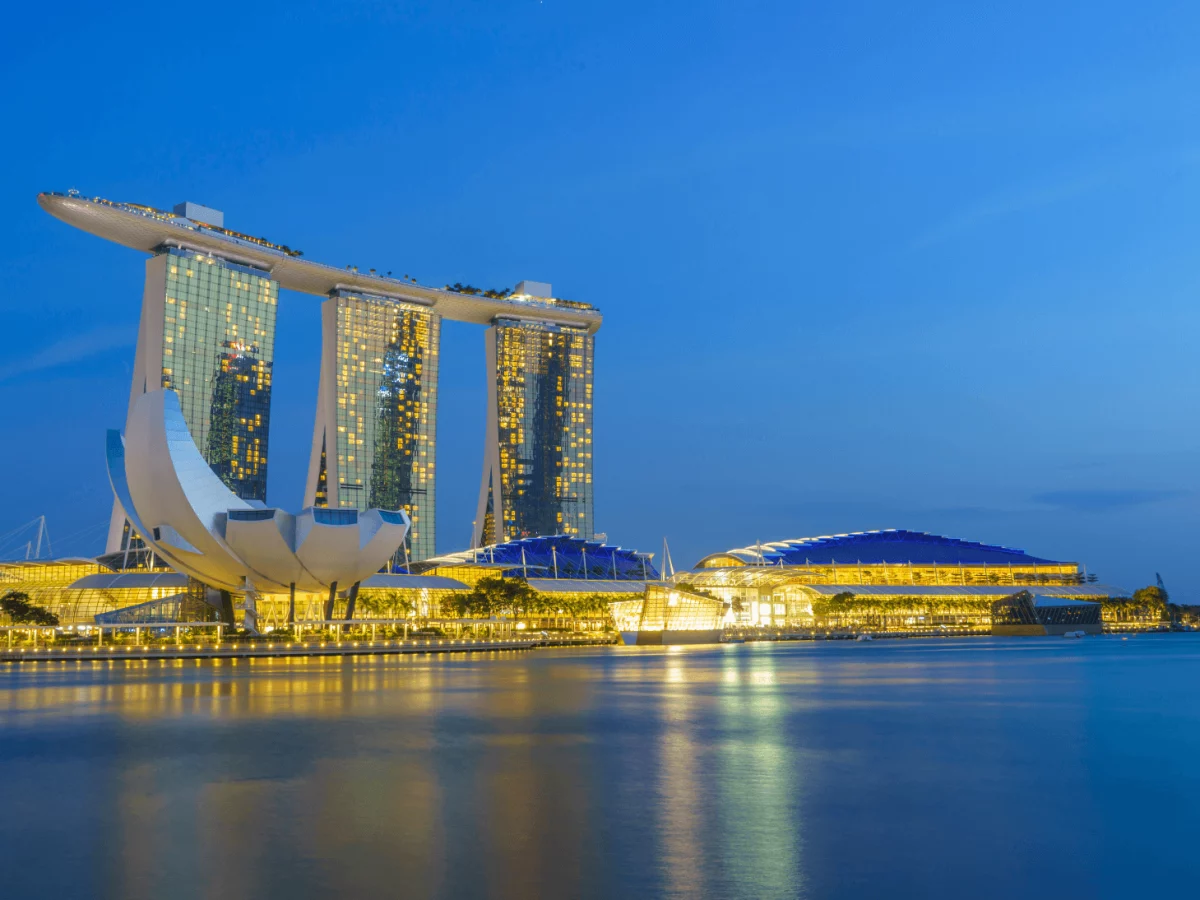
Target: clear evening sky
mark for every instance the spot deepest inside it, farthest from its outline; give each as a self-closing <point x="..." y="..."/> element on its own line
<point x="863" y="265"/>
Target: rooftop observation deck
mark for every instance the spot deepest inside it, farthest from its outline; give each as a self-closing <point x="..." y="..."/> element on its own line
<point x="147" y="229"/>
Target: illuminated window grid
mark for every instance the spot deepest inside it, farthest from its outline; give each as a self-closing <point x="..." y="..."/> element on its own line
<point x="218" y="353"/>
<point x="544" y="416"/>
<point x="912" y="573"/>
<point x="387" y="372"/>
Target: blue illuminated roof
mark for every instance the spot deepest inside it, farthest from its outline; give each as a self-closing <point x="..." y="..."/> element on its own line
<point x="560" y="556"/>
<point x="868" y="547"/>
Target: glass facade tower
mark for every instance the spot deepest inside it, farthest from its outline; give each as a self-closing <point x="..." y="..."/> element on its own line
<point x="374" y="441"/>
<point x="537" y="476"/>
<point x="218" y="351"/>
<point x="207" y="332"/>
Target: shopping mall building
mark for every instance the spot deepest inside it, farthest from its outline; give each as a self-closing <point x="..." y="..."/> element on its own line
<point x="780" y="583"/>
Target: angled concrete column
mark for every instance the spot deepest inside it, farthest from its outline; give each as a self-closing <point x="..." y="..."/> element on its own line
<point x="329" y="602"/>
<point x="351" y="600"/>
<point x="227" y="608"/>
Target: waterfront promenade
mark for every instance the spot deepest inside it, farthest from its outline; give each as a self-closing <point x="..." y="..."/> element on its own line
<point x="216" y="647"/>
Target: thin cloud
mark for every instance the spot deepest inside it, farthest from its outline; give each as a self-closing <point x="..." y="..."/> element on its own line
<point x="72" y="349"/>
<point x="1009" y="204"/>
<point x="1104" y="500"/>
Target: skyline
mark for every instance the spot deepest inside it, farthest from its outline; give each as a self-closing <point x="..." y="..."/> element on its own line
<point x="1052" y="409"/>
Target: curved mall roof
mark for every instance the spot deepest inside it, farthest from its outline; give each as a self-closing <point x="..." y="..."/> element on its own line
<point x="147" y="229"/>
<point x="559" y="556"/>
<point x="873" y="547"/>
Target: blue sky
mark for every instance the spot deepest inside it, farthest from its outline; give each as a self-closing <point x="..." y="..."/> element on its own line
<point x="863" y="265"/>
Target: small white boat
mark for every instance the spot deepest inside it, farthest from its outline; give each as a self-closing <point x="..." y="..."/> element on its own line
<point x="1073" y="634"/>
<point x="864" y="637"/>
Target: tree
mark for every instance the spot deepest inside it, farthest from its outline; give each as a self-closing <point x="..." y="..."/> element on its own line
<point x="1150" y="602"/>
<point x="388" y="605"/>
<point x="22" y="611"/>
<point x="496" y="596"/>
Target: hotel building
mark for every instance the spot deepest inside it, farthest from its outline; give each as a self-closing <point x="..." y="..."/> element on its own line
<point x="373" y="445"/>
<point x="207" y="331"/>
<point x="537" y="471"/>
<point x="781" y="583"/>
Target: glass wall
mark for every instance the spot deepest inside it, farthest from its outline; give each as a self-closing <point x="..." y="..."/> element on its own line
<point x="386" y="383"/>
<point x="217" y="354"/>
<point x="544" y="418"/>
<point x="667" y="608"/>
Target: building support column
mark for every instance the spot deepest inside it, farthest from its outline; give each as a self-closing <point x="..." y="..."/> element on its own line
<point x="351" y="599"/>
<point x="250" y="609"/>
<point x="291" y="619"/>
<point x="227" y="608"/>
<point x="329" y="602"/>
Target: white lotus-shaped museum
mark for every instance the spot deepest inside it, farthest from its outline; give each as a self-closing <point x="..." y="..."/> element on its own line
<point x="200" y="527"/>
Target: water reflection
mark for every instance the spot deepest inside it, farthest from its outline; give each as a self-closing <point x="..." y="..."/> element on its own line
<point x="745" y="771"/>
<point x="758" y="782"/>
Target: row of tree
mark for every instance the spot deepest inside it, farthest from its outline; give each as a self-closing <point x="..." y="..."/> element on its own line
<point x="1148" y="604"/>
<point x="20" y="610"/>
<point x="517" y="600"/>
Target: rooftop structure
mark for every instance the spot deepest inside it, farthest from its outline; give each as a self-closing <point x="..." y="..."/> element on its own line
<point x="147" y="229"/>
<point x="890" y="546"/>
<point x="557" y="557"/>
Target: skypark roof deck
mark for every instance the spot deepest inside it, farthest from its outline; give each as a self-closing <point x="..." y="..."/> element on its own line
<point x="147" y="229"/>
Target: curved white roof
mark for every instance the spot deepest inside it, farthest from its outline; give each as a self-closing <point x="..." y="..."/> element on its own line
<point x="147" y="229"/>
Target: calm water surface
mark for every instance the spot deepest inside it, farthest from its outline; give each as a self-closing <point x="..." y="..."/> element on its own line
<point x="975" y="768"/>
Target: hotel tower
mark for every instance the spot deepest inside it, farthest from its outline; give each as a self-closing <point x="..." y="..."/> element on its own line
<point x="376" y="424"/>
<point x="537" y="467"/>
<point x="207" y="331"/>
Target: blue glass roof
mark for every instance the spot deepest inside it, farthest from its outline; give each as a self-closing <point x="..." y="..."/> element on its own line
<point x="891" y="546"/>
<point x="560" y="556"/>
